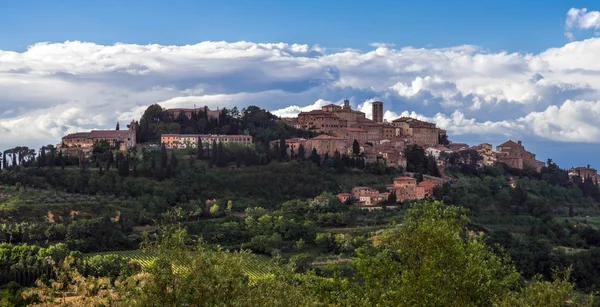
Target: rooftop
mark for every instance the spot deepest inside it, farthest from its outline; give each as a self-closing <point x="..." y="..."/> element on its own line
<point x="109" y="134"/>
<point x="510" y="143"/>
<point x="77" y="135"/>
<point x="327" y="137"/>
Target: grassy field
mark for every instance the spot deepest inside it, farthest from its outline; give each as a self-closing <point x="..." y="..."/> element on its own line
<point x="255" y="266"/>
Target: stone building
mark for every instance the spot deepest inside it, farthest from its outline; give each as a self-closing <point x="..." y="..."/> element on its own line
<point x="292" y="145"/>
<point x="351" y="134"/>
<point x="85" y="141"/>
<point x="486" y="151"/>
<point x="428" y="186"/>
<point x="330" y="118"/>
<point x="422" y="133"/>
<point x="326" y="144"/>
<point x="182" y="141"/>
<point x="377" y="111"/>
<point x="584" y="172"/>
<point x="514" y="155"/>
<point x="388" y="131"/>
<point x="366" y="196"/>
<point x="406" y="188"/>
<point x="320" y="121"/>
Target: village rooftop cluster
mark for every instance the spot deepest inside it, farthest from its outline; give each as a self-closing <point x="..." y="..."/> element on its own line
<point x="339" y="128"/>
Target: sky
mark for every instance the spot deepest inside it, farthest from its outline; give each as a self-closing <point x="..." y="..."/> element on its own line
<point x="486" y="71"/>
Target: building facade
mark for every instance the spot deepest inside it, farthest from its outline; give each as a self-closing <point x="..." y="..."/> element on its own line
<point x="420" y="132"/>
<point x="182" y="141"/>
<point x="486" y="151"/>
<point x="406" y="188"/>
<point x="514" y="155"/>
<point x="123" y="139"/>
<point x="585" y="172"/>
<point x="326" y="144"/>
<point x="377" y="111"/>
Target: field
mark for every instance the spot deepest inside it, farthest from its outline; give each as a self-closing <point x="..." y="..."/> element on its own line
<point x="255" y="266"/>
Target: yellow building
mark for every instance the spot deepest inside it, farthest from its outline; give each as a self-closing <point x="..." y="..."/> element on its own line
<point x="182" y="141"/>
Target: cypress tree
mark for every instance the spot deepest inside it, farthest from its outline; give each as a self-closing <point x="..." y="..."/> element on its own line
<point x="282" y="150"/>
<point x="355" y="148"/>
<point x="315" y="157"/>
<point x="221" y="157"/>
<point x="163" y="156"/>
<point x="61" y="160"/>
<point x="174" y="161"/>
<point x="199" y="150"/>
<point x="392" y="199"/>
<point x="213" y="154"/>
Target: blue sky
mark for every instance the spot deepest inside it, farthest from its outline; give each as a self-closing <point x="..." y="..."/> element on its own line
<point x="486" y="71"/>
<point x="524" y="26"/>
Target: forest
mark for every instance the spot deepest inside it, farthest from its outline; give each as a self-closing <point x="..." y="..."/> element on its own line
<point x="152" y="226"/>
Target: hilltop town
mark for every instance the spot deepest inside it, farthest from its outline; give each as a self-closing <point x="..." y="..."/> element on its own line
<point x="338" y="130"/>
<point x="312" y="190"/>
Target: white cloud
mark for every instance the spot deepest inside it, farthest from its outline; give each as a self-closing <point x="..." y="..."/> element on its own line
<point x="54" y="88"/>
<point x="581" y="19"/>
<point x="293" y="110"/>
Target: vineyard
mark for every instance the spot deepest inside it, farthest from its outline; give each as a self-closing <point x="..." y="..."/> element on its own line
<point x="255" y="266"/>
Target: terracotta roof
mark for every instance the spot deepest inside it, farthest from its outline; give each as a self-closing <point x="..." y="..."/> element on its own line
<point x="77" y="135"/>
<point x="583" y="168"/>
<point x="109" y="134"/>
<point x="509" y="143"/>
<point x="332" y="105"/>
<point x="317" y="112"/>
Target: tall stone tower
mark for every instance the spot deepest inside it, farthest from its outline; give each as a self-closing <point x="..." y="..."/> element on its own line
<point x="346" y="105"/>
<point x="378" y="111"/>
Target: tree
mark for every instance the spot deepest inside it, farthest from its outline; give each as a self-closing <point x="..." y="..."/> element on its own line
<point x="282" y="154"/>
<point x="229" y="209"/>
<point x="430" y="260"/>
<point x="221" y="158"/>
<point x="61" y="160"/>
<point x="355" y="148"/>
<point x="214" y="210"/>
<point x="117" y="128"/>
<point x="392" y="198"/>
<point x="150" y="122"/>
<point x="174" y="160"/>
<point x="163" y="156"/>
<point x="200" y="150"/>
<point x="214" y="153"/>
<point x="301" y="153"/>
<point x="315" y="157"/>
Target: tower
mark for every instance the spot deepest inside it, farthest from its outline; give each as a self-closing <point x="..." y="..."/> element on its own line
<point x="378" y="111"/>
<point x="346" y="104"/>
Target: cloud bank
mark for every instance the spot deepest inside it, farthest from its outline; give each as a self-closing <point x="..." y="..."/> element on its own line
<point x="56" y="88"/>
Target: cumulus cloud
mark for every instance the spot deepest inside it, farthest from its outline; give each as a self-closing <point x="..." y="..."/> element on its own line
<point x="581" y="19"/>
<point x="56" y="88"/>
<point x="293" y="110"/>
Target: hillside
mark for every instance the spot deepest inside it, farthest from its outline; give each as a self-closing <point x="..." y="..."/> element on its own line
<point x="103" y="211"/>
